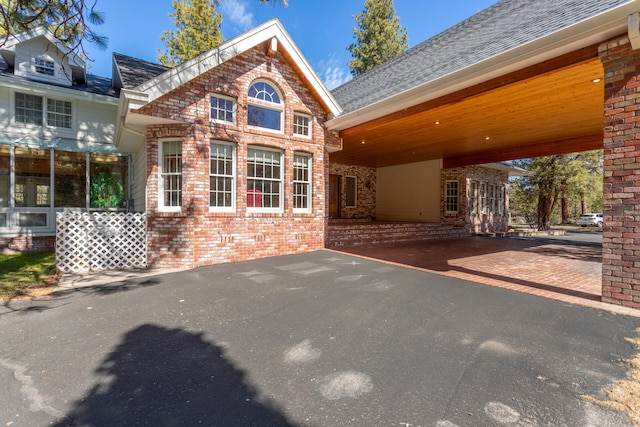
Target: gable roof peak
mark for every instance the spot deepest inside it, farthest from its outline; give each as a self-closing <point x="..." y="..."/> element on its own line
<point x="273" y="28"/>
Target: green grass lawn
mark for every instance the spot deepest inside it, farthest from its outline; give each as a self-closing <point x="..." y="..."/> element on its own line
<point x="24" y="275"/>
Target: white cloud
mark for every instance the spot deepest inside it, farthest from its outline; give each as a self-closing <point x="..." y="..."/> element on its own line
<point x="332" y="72"/>
<point x="237" y="12"/>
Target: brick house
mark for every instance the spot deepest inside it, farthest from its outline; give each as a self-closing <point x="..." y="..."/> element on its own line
<point x="242" y="152"/>
<point x="232" y="149"/>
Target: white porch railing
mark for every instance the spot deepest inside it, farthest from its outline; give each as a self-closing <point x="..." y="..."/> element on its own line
<point x="94" y="241"/>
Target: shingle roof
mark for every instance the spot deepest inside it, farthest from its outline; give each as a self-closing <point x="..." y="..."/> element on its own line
<point x="495" y="30"/>
<point x="93" y="84"/>
<point x="135" y="71"/>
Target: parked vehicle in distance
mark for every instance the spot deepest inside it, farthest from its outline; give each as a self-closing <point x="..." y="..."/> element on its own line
<point x="591" y="219"/>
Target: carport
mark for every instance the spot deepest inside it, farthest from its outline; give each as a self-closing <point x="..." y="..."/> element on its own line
<point x="519" y="79"/>
<point x="566" y="267"/>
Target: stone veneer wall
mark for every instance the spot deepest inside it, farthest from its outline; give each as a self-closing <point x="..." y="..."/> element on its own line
<point x="195" y="236"/>
<point x="366" y="182"/>
<point x="621" y="231"/>
<point x="491" y="222"/>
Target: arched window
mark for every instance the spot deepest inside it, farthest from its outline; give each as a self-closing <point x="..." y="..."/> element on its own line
<point x="265" y="106"/>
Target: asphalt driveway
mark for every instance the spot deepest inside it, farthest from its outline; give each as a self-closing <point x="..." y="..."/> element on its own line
<point x="320" y="339"/>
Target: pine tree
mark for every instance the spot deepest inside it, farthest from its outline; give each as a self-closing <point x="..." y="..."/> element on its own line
<point x="197" y="30"/>
<point x="70" y="21"/>
<point x="575" y="176"/>
<point x="379" y="36"/>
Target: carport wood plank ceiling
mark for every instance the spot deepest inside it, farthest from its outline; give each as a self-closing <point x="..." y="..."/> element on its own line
<point x="552" y="108"/>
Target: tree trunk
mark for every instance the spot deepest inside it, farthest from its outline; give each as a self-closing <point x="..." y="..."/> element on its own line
<point x="545" y="208"/>
<point x="583" y="206"/>
<point x="566" y="215"/>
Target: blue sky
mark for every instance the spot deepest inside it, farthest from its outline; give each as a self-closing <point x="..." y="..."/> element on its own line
<point x="321" y="29"/>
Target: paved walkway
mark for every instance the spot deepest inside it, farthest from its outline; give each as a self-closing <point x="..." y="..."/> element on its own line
<point x="564" y="270"/>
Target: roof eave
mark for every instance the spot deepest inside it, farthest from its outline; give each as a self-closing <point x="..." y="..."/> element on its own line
<point x="597" y="29"/>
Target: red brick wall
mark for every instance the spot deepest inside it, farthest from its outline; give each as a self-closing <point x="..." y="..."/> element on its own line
<point x="366" y="198"/>
<point x="195" y="236"/>
<point x="27" y="244"/>
<point x="621" y="231"/>
<point x="491" y="222"/>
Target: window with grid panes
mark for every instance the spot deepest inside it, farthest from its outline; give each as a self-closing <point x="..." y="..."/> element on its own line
<point x="28" y="109"/>
<point x="59" y="113"/>
<point x="44" y="66"/>
<point x="483" y="197"/>
<point x="451" y="197"/>
<point x="264" y="179"/>
<point x="170" y="174"/>
<point x="473" y="189"/>
<point x="223" y="109"/>
<point x="222" y="176"/>
<point x="302" y="182"/>
<point x="265" y="107"/>
<point x="301" y="125"/>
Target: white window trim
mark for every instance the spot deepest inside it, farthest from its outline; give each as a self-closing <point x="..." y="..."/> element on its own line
<point x="501" y="197"/>
<point x="45" y="124"/>
<point x="234" y="177"/>
<point x="484" y="195"/>
<point x="355" y="203"/>
<point x="161" y="206"/>
<point x="43" y="75"/>
<point x="309" y="183"/>
<point x="473" y="197"/>
<point x="234" y="113"/>
<point x="267" y="105"/>
<point x="310" y="131"/>
<point x="280" y="207"/>
<point x="446" y="196"/>
<point x="492" y="198"/>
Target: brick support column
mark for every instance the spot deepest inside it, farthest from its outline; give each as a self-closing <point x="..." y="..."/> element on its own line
<point x="621" y="232"/>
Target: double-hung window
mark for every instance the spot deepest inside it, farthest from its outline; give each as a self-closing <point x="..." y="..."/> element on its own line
<point x="223" y="109"/>
<point x="264" y="180"/>
<point x="222" y="188"/>
<point x="474" y="197"/>
<point x="501" y="197"/>
<point x="492" y="198"/>
<point x="483" y="197"/>
<point x="265" y="108"/>
<point x="302" y="182"/>
<point x="38" y="110"/>
<point x="451" y="197"/>
<point x="170" y="176"/>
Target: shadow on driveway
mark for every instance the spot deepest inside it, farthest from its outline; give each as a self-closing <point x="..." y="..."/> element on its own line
<point x="168" y="377"/>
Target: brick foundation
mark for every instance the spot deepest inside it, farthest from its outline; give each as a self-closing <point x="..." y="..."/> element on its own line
<point x="27" y="244"/>
<point x="621" y="231"/>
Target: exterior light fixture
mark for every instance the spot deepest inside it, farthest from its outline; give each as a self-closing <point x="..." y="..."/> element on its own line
<point x="596" y="80"/>
<point x="436" y="122"/>
<point x="363" y="142"/>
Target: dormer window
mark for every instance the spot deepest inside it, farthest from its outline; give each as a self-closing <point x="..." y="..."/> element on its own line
<point x="265" y="106"/>
<point x="44" y="66"/>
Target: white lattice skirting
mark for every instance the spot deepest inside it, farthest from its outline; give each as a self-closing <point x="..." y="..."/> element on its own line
<point x="100" y="241"/>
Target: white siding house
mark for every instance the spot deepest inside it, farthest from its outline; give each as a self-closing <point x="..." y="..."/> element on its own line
<point x="56" y="142"/>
